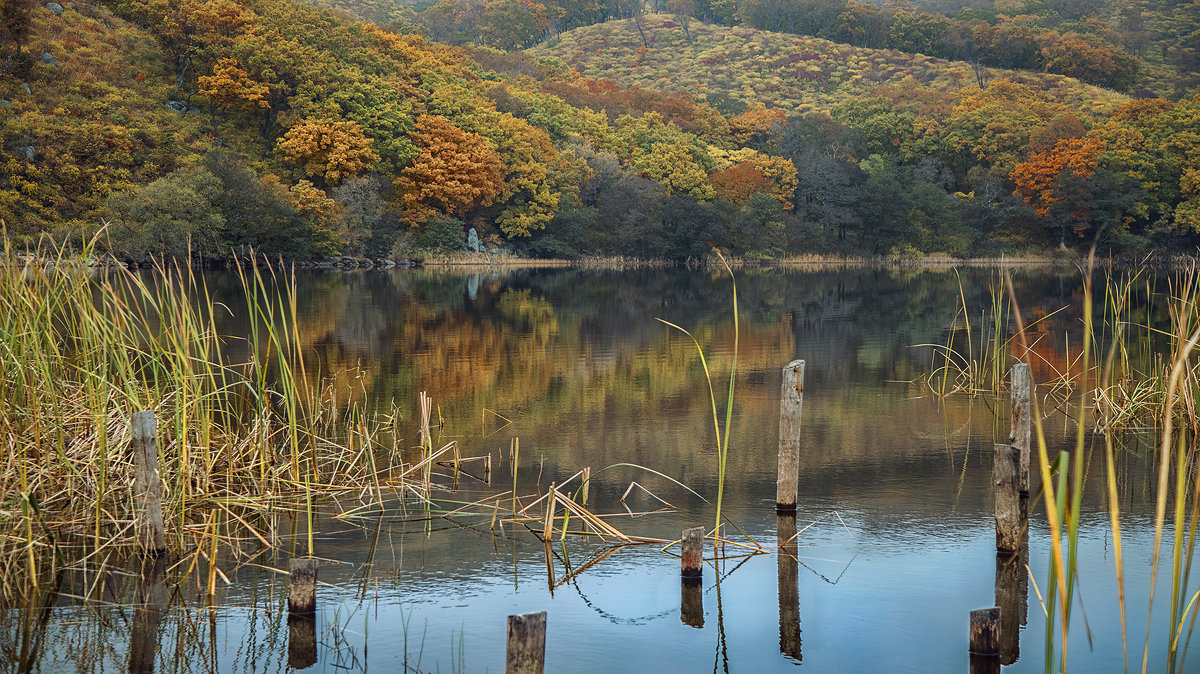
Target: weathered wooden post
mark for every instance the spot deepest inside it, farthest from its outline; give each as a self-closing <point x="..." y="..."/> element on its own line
<point x="151" y="537"/>
<point x="1009" y="523"/>
<point x="985" y="640"/>
<point x="302" y="613"/>
<point x="790" y="401"/>
<point x="302" y="597"/>
<point x="526" y="653"/>
<point x="788" y="561"/>
<point x="691" y="561"/>
<point x="149" y="596"/>
<point x="1020" y="391"/>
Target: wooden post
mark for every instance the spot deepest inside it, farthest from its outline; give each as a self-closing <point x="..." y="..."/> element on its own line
<point x="692" y="558"/>
<point x="1008" y="499"/>
<point x="1020" y="391"/>
<point x="302" y="641"/>
<point x="526" y="652"/>
<point x="788" y="561"/>
<point x="985" y="631"/>
<point x="151" y="537"/>
<point x="790" y="401"/>
<point x="302" y="598"/>
<point x="149" y="596"/>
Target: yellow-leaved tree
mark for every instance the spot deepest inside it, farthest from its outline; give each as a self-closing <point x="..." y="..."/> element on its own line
<point x="454" y="171"/>
<point x="329" y="151"/>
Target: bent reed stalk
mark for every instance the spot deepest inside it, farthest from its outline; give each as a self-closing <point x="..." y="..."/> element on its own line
<point x="239" y="443"/>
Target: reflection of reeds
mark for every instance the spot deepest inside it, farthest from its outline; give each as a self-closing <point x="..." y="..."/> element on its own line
<point x="238" y="442"/>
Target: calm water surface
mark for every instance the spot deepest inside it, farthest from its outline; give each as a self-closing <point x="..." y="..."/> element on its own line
<point x="894" y="486"/>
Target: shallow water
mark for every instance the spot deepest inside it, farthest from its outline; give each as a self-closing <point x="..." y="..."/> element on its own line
<point x="897" y="483"/>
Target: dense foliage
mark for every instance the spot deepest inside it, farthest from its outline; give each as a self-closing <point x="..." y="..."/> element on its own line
<point x="216" y="127"/>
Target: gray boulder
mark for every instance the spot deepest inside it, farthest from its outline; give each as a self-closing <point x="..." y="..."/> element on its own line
<point x="54" y="7"/>
<point x="27" y="152"/>
<point x="181" y="107"/>
<point x="473" y="241"/>
<point x="4" y="103"/>
<point x="27" y="89"/>
<point x="49" y="59"/>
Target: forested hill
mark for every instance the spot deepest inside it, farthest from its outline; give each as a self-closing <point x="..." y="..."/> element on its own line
<point x="783" y="71"/>
<point x="213" y="127"/>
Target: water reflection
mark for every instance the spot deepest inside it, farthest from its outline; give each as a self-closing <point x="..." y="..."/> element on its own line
<point x="573" y="363"/>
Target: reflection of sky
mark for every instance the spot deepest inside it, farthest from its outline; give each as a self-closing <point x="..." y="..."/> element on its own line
<point x="908" y="476"/>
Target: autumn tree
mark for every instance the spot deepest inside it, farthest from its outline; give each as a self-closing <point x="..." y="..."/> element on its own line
<point x="1045" y="179"/>
<point x="231" y="89"/>
<point x="328" y="150"/>
<point x="756" y="124"/>
<point x="454" y="171"/>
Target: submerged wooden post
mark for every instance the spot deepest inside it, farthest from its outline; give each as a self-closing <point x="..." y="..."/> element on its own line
<point x="791" y="399"/>
<point x="788" y="561"/>
<point x="149" y="597"/>
<point x="151" y="537"/>
<point x="302" y="597"/>
<point x="985" y="631"/>
<point x="1008" y="499"/>
<point x="1020" y="391"/>
<point x="526" y="653"/>
<point x="691" y="561"/>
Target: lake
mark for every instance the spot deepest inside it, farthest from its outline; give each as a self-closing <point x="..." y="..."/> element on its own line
<point x="896" y="542"/>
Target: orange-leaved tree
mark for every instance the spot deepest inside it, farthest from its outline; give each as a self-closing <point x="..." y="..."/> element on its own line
<point x="230" y="88"/>
<point x="454" y="171"/>
<point x="328" y="150"/>
<point x="1051" y="178"/>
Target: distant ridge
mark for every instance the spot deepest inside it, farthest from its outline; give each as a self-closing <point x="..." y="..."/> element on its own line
<point x="793" y="73"/>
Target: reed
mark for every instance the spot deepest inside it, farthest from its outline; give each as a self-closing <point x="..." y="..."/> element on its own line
<point x="239" y="441"/>
<point x="722" y="437"/>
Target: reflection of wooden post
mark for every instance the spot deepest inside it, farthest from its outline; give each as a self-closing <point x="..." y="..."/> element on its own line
<point x="1012" y="591"/>
<point x="149" y="597"/>
<point x="147" y="485"/>
<point x="788" y="562"/>
<point x="691" y="602"/>
<point x="302" y="598"/>
<point x="1020" y="390"/>
<point x="1009" y="523"/>
<point x="526" y="652"/>
<point x="691" y="561"/>
<point x="790" y="401"/>
<point x="302" y="641"/>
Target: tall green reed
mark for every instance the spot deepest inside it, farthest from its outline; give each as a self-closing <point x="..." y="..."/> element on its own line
<point x="721" y="436"/>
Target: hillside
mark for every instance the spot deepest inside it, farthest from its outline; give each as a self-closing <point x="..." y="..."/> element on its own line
<point x="787" y="72"/>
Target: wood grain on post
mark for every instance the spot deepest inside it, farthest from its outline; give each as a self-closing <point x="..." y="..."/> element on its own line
<point x="302" y="596"/>
<point x="691" y="561"/>
<point x="791" y="400"/>
<point x="526" y="653"/>
<point x="1021" y="390"/>
<point x="1008" y="498"/>
<point x="985" y="631"/>
<point x="151" y="537"/>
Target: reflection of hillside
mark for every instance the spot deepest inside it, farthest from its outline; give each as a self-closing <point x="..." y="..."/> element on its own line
<point x="577" y="355"/>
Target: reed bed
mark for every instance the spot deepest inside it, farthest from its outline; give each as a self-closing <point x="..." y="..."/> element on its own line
<point x="239" y="443"/>
<point x="1135" y="373"/>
